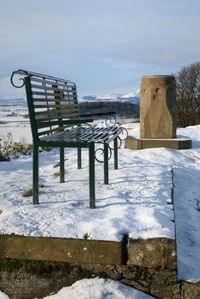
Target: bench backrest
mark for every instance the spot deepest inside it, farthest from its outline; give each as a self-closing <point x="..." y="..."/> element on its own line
<point x="50" y="101"/>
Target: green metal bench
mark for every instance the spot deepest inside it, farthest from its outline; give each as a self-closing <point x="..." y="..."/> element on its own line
<point x="56" y="122"/>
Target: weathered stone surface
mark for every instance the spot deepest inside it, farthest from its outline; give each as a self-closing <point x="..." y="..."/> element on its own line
<point x="190" y="290"/>
<point x="21" y="284"/>
<point x="158" y="107"/>
<point x="138" y="277"/>
<point x="158" y="282"/>
<point x="136" y="144"/>
<point x="158" y="252"/>
<point x="18" y="282"/>
<point x="17" y="278"/>
<point x="57" y="249"/>
<point x="164" y="284"/>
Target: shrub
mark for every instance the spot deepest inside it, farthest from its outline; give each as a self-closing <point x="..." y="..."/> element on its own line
<point x="9" y="149"/>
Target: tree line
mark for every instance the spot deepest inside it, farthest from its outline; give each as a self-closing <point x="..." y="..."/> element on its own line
<point x="188" y="95"/>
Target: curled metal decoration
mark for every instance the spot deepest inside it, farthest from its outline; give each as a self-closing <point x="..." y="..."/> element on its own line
<point x="84" y="132"/>
<point x="123" y="133"/>
<point x="122" y="136"/>
<point x="119" y="143"/>
<point x="18" y="72"/>
<point x="111" y="121"/>
<point x="99" y="152"/>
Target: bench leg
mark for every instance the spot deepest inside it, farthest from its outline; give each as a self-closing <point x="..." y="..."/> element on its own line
<point x="92" y="175"/>
<point x="35" y="174"/>
<point x="115" y="154"/>
<point x="62" y="164"/>
<point x="79" y="158"/>
<point x="106" y="163"/>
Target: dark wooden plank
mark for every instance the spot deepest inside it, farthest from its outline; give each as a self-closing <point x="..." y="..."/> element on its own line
<point x="54" y="111"/>
<point x="41" y="125"/>
<point x="54" y="81"/>
<point x="56" y="116"/>
<point x="67" y="89"/>
<point x="60" y="106"/>
<point x="51" y="94"/>
<point x="40" y="93"/>
<point x="62" y="101"/>
<point x="52" y="130"/>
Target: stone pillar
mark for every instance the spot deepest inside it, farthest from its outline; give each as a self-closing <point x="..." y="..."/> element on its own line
<point x="158" y="107"/>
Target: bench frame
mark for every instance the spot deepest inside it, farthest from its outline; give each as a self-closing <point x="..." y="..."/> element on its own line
<point x="56" y="122"/>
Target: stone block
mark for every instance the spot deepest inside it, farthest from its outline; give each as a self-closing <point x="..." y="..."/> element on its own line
<point x="58" y="249"/>
<point x="190" y="290"/>
<point x="153" y="253"/>
<point x="164" y="284"/>
<point x="136" y="144"/>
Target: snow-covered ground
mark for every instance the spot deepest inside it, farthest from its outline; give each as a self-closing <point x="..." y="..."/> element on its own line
<point x="96" y="288"/>
<point x="137" y="201"/>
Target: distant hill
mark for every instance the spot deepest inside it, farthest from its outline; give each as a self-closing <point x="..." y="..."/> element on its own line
<point x="134" y="100"/>
<point x="131" y="98"/>
<point x="122" y="109"/>
<point x="12" y="102"/>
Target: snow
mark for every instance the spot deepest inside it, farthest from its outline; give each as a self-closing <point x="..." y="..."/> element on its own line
<point x="97" y="288"/>
<point x="3" y="296"/>
<point x="137" y="201"/>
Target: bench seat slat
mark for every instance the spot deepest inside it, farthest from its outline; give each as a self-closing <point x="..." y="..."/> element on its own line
<point x="49" y="106"/>
<point x="50" y="117"/>
<point x="40" y="93"/>
<point x="72" y="121"/>
<point x="53" y="130"/>
<point x="56" y="89"/>
<point x="54" y="111"/>
<point x="63" y="101"/>
<point x="45" y="124"/>
<point x="53" y="81"/>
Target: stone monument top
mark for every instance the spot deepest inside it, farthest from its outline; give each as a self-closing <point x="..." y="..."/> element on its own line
<point x="158" y="107"/>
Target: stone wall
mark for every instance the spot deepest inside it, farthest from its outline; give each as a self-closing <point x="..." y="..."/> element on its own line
<point x="148" y="265"/>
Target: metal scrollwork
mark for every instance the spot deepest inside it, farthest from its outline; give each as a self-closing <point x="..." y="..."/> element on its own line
<point x="123" y="133"/>
<point x="18" y="72"/>
<point x="119" y="143"/>
<point x="99" y="155"/>
<point x="111" y="121"/>
<point x="84" y="132"/>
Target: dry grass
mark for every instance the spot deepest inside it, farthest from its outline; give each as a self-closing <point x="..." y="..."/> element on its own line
<point x="29" y="191"/>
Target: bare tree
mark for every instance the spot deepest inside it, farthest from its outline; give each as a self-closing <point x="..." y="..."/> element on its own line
<point x="188" y="95"/>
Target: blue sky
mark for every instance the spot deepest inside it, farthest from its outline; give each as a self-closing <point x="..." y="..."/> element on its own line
<point x="104" y="46"/>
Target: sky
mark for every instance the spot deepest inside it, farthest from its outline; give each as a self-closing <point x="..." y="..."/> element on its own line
<point x="104" y="46"/>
